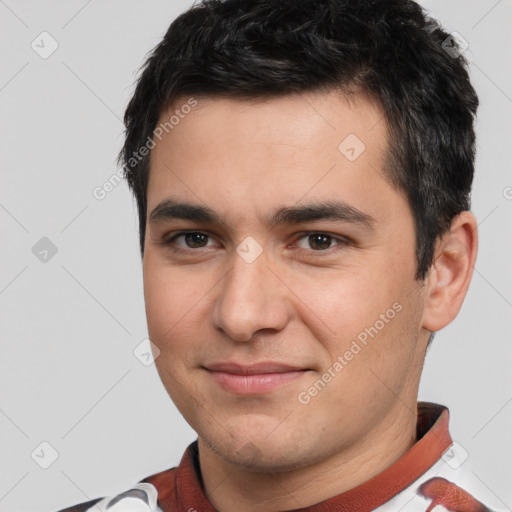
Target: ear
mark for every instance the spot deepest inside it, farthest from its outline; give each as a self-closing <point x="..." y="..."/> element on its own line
<point x="451" y="272"/>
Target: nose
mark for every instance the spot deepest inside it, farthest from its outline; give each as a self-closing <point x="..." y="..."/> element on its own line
<point x="251" y="298"/>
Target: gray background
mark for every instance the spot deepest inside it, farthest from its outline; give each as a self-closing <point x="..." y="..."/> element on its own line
<point x="69" y="325"/>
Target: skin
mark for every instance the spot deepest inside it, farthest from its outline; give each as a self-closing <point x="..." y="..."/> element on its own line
<point x="299" y="303"/>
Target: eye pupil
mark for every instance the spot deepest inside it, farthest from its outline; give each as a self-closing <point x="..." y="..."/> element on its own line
<point x="319" y="239"/>
<point x="195" y="238"/>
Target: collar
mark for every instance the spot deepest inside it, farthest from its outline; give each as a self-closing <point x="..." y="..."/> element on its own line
<point x="180" y="489"/>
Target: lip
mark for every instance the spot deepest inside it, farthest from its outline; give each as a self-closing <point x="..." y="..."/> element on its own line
<point x="253" y="379"/>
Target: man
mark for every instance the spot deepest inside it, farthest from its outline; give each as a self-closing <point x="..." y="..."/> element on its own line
<point x="302" y="171"/>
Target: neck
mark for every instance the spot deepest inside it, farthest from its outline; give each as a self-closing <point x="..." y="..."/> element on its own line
<point x="225" y="484"/>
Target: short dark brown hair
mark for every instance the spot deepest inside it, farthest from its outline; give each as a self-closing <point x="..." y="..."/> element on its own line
<point x="389" y="50"/>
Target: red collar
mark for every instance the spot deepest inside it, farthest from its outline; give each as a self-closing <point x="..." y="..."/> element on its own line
<point x="179" y="489"/>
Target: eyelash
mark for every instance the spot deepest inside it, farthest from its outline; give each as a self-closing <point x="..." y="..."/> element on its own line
<point x="342" y="242"/>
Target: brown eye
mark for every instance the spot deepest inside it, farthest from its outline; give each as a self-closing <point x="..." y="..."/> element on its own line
<point x="193" y="240"/>
<point x="319" y="242"/>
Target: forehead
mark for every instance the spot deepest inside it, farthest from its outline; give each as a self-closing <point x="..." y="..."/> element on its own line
<point x="298" y="120"/>
<point x="257" y="154"/>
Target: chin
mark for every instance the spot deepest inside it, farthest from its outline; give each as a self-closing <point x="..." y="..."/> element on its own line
<point x="261" y="448"/>
<point x="261" y="458"/>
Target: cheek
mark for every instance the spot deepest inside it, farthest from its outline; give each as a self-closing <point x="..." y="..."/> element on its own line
<point x="171" y="301"/>
<point x="368" y="318"/>
<point x="340" y="303"/>
<point x="172" y="308"/>
<point x="370" y="361"/>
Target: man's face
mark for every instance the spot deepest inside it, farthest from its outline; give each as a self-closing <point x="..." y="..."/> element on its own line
<point x="324" y="311"/>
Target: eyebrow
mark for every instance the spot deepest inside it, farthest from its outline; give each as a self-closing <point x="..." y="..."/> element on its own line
<point x="170" y="209"/>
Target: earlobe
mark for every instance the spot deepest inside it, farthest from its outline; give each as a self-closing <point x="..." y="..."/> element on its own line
<point x="451" y="272"/>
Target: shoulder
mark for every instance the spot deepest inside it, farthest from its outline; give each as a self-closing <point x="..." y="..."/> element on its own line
<point x="449" y="485"/>
<point x="145" y="496"/>
<point x="81" y="507"/>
